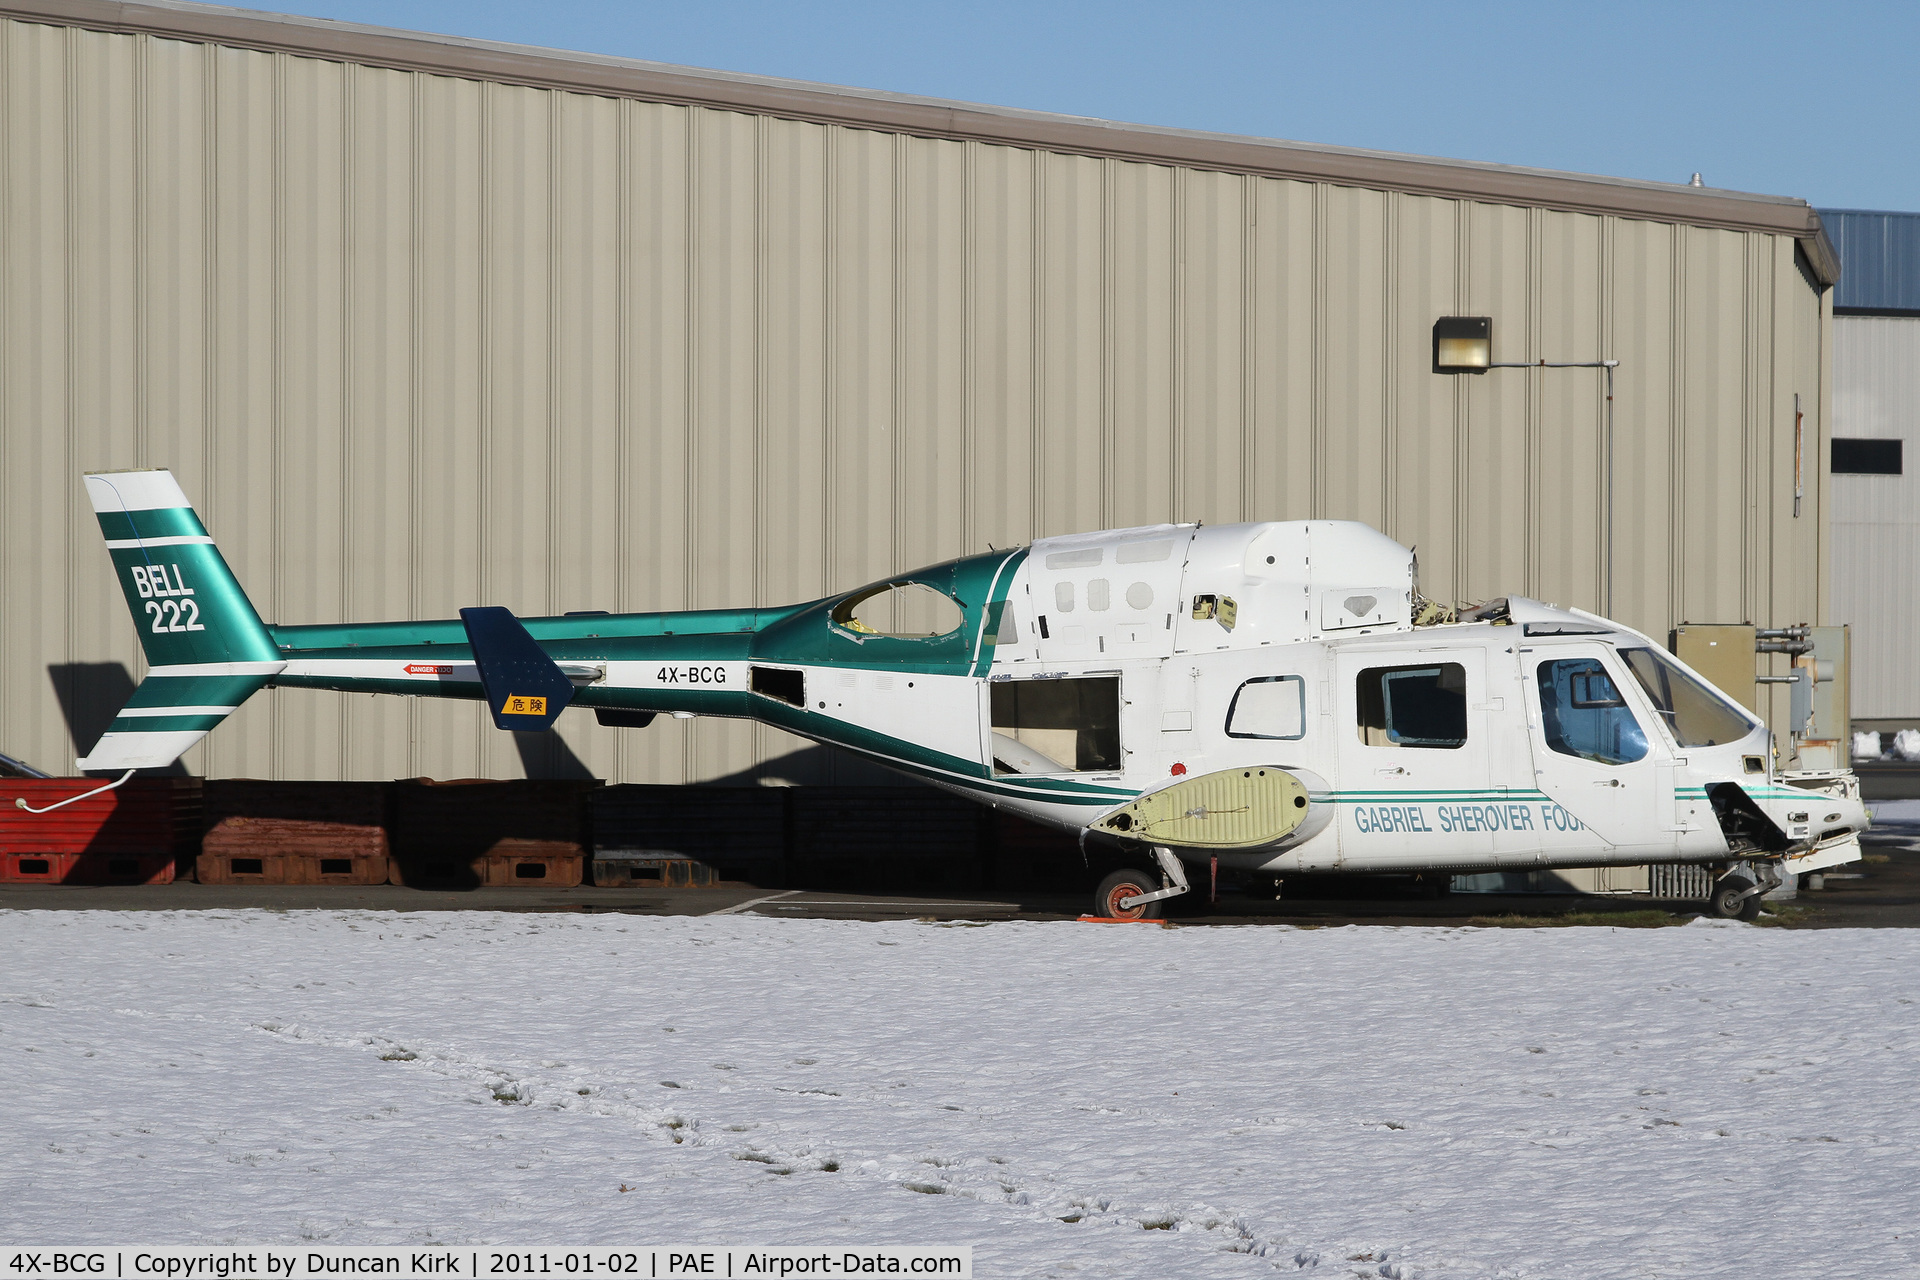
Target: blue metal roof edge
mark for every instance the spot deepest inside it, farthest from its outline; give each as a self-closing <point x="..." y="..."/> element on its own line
<point x="1880" y="258"/>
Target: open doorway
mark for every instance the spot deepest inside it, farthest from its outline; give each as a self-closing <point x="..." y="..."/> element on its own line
<point x="1056" y="726"/>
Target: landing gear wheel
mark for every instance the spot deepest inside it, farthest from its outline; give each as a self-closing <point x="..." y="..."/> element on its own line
<point x="1127" y="884"/>
<point x="1721" y="904"/>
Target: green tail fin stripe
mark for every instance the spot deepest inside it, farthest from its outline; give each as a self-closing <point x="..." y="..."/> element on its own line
<point x="160" y="690"/>
<point x="196" y="718"/>
<point x="150" y="526"/>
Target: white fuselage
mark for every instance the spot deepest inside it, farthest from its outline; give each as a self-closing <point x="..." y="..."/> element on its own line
<point x="1321" y="626"/>
<point x="1126" y="661"/>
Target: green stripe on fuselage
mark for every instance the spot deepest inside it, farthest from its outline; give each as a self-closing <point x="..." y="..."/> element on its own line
<point x="590" y="636"/>
<point x="704" y="636"/>
<point x="797" y="635"/>
<point x="1429" y="796"/>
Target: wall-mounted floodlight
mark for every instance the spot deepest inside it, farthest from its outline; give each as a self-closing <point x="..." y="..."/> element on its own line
<point x="1463" y="344"/>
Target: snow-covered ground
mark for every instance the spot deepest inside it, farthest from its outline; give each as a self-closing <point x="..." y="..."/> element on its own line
<point x="1070" y="1099"/>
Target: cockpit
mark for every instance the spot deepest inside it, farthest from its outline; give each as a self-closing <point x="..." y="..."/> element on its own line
<point x="903" y="610"/>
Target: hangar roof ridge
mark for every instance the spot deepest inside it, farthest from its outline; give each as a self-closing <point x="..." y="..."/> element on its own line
<point x="882" y="110"/>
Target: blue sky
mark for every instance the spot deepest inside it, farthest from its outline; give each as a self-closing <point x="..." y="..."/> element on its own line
<point x="1816" y="101"/>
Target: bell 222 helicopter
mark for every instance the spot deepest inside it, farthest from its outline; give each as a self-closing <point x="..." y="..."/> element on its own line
<point x="1277" y="696"/>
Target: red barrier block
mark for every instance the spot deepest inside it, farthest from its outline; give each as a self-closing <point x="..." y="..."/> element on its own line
<point x="123" y="836"/>
<point x="264" y="867"/>
<point x="464" y="834"/>
<point x="86" y="868"/>
<point x="502" y="868"/>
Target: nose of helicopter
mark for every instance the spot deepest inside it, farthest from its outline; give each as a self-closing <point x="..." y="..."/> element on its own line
<point x="1809" y="814"/>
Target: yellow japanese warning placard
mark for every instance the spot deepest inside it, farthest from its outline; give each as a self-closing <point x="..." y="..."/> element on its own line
<point x="522" y="705"/>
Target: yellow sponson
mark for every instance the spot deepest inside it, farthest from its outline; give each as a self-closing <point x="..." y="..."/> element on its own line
<point x="1232" y="809"/>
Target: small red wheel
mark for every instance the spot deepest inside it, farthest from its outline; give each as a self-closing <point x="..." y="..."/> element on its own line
<point x="1121" y="885"/>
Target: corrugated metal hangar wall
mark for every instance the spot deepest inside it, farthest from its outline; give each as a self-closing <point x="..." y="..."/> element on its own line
<point x="1876" y="513"/>
<point x="424" y="323"/>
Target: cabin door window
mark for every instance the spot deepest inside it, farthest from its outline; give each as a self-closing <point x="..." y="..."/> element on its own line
<point x="1056" y="726"/>
<point x="1415" y="772"/>
<point x="1414" y="706"/>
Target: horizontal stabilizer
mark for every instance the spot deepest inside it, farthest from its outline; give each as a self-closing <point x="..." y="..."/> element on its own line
<point x="526" y="690"/>
<point x="172" y="709"/>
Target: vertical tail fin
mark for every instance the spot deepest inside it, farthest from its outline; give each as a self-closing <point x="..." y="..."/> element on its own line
<point x="526" y="690"/>
<point x="206" y="648"/>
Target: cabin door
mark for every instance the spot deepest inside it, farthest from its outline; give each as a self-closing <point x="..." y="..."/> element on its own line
<point x="1598" y="759"/>
<point x="1413" y="734"/>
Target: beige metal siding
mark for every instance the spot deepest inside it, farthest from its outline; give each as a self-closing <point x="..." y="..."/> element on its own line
<point x="1876" y="519"/>
<point x="414" y="342"/>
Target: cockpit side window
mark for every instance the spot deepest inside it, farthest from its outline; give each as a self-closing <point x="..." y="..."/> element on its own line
<point x="899" y="611"/>
<point x="1415" y="706"/>
<point x="1582" y="713"/>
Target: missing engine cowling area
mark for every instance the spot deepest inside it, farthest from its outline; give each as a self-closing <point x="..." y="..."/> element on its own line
<point x="1746" y="828"/>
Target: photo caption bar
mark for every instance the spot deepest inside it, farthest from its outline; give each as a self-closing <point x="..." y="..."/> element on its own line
<point x="307" y="1262"/>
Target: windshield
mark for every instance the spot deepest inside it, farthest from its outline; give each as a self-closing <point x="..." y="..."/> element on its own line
<point x="1695" y="713"/>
